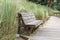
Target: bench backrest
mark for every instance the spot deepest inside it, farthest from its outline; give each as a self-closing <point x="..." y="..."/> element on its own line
<point x="28" y="17"/>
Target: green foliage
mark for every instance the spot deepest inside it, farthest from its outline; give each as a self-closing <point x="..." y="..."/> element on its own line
<point x="8" y="24"/>
<point x="56" y="6"/>
<point x="38" y="9"/>
<point x="43" y="2"/>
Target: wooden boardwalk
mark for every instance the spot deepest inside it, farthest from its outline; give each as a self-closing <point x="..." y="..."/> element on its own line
<point x="50" y="30"/>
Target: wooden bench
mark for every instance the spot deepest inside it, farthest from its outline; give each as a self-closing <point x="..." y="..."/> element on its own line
<point x="28" y="20"/>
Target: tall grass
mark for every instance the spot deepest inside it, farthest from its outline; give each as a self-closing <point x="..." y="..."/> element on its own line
<point x="39" y="10"/>
<point x="8" y="24"/>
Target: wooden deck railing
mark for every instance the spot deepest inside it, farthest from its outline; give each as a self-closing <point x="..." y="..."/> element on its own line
<point x="57" y="14"/>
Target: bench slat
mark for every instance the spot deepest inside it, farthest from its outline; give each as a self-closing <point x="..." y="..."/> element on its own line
<point x="28" y="17"/>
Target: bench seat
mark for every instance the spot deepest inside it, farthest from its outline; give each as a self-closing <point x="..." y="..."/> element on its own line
<point x="35" y="22"/>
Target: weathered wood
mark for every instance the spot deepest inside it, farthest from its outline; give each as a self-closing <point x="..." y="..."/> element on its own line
<point x="28" y="22"/>
<point x="50" y="30"/>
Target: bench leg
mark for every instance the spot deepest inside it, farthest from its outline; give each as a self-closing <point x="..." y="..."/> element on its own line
<point x="30" y="29"/>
